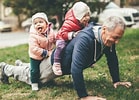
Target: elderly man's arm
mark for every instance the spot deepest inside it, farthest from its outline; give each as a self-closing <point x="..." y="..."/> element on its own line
<point x="113" y="64"/>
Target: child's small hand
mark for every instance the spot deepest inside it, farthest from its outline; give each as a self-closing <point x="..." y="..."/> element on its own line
<point x="75" y="34"/>
<point x="49" y="53"/>
<point x="51" y="39"/>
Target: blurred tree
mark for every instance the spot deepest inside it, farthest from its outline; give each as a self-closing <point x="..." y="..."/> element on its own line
<point x="96" y="6"/>
<point x="50" y="7"/>
<point x="19" y="7"/>
<point x="29" y="7"/>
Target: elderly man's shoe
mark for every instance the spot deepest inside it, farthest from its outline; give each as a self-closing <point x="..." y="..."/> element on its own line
<point x="3" y="77"/>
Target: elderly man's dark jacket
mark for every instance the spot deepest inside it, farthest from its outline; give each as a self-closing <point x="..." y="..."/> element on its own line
<point x="82" y="52"/>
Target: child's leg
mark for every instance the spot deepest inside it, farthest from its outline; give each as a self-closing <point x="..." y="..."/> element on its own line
<point x="60" y="44"/>
<point x="35" y="73"/>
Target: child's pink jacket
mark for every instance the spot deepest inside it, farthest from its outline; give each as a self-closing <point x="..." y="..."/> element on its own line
<point x="39" y="42"/>
<point x="71" y="24"/>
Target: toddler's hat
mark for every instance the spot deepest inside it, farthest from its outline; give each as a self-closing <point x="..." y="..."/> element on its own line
<point x="80" y="9"/>
<point x="40" y="15"/>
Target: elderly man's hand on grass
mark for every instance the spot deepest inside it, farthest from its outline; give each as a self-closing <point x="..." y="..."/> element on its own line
<point x="92" y="98"/>
<point x="126" y="84"/>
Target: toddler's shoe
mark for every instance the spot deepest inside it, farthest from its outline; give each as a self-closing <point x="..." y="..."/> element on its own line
<point x="57" y="69"/>
<point x="34" y="86"/>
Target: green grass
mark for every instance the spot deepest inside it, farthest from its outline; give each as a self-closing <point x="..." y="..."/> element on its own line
<point x="97" y="79"/>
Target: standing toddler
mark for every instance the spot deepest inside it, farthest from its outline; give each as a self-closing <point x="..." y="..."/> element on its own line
<point x="41" y="44"/>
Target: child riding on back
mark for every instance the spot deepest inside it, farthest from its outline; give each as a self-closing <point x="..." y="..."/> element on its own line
<point x="75" y="19"/>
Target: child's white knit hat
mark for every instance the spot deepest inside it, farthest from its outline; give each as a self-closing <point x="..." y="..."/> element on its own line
<point x="80" y="9"/>
<point x="40" y="15"/>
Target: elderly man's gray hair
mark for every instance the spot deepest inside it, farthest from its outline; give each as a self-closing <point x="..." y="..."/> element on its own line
<point x="112" y="22"/>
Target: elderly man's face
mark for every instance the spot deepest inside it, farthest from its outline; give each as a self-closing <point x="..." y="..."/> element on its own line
<point x="111" y="37"/>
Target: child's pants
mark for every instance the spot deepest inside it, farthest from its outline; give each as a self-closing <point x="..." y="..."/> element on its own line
<point x="60" y="44"/>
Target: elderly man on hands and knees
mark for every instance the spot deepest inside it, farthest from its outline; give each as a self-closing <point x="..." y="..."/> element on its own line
<point x="83" y="51"/>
